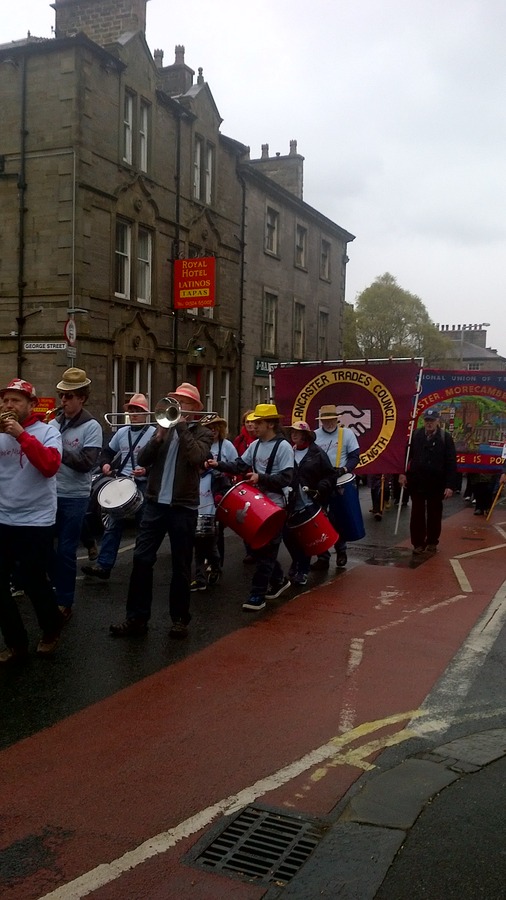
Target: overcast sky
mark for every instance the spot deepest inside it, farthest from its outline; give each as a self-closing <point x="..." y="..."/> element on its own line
<point x="399" y="109"/>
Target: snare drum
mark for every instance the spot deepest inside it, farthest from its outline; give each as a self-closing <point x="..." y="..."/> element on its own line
<point x="206" y="525"/>
<point x="120" y="497"/>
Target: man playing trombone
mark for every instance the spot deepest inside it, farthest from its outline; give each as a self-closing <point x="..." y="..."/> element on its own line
<point x="174" y="457"/>
<point x="124" y="446"/>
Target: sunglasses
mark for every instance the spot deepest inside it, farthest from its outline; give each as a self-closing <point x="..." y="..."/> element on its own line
<point x="65" y="396"/>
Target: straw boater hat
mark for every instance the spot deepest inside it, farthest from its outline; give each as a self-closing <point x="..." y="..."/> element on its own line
<point x="264" y="411"/>
<point x="72" y="380"/>
<point x="328" y="412"/>
<point x="304" y="427"/>
<point x="212" y="419"/>
<point x="17" y="384"/>
<point x="187" y="391"/>
<point x="137" y="401"/>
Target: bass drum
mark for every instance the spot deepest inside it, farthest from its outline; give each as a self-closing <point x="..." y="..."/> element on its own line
<point x="251" y="514"/>
<point x="312" y="530"/>
<point x="344" y="509"/>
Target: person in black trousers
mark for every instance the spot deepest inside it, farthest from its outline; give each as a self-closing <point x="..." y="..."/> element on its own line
<point x="430" y="477"/>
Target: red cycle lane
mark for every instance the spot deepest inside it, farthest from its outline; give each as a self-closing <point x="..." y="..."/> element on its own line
<point x="288" y="711"/>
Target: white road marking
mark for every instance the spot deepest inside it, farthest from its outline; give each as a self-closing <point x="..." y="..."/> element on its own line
<point x="428" y="609"/>
<point x="461" y="576"/>
<point x="442" y="703"/>
<point x="161" y="843"/>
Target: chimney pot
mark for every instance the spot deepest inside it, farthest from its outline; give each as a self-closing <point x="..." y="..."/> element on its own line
<point x="179" y="59"/>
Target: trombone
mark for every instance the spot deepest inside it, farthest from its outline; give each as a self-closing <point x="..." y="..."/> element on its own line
<point x="167" y="413"/>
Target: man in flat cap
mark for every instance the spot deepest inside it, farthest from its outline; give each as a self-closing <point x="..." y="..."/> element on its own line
<point x="430" y="476"/>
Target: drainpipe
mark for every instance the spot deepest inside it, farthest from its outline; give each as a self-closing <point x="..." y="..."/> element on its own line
<point x="240" y="342"/>
<point x="21" y="224"/>
<point x="175" y="251"/>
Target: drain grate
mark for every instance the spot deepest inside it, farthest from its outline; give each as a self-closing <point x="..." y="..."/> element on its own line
<point x="262" y="845"/>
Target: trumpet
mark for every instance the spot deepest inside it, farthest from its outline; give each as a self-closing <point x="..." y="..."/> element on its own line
<point x="4" y="416"/>
<point x="167" y="413"/>
<point x="51" y="414"/>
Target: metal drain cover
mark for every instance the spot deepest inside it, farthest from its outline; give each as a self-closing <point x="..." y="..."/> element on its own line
<point x="262" y="846"/>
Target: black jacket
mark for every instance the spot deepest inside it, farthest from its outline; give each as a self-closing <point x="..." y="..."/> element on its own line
<point x="432" y="461"/>
<point x="194" y="446"/>
<point x="315" y="472"/>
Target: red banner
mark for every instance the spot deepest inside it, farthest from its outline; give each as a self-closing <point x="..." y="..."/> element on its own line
<point x="194" y="282"/>
<point x="374" y="400"/>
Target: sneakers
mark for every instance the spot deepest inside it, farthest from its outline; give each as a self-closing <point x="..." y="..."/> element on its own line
<point x="299" y="579"/>
<point x="321" y="564"/>
<point x="48" y="643"/>
<point x="178" y="630"/>
<point x="213" y="577"/>
<point x="275" y="590"/>
<point x="13" y="655"/>
<point x="129" y="628"/>
<point x="254" y="603"/>
<point x="17" y="592"/>
<point x="341" y="559"/>
<point x="432" y="548"/>
<point x="418" y="550"/>
<point x="93" y="552"/>
<point x="96" y="572"/>
<point x="198" y="586"/>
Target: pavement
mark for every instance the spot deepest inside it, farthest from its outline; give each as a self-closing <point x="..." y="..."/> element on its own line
<point x="433" y="826"/>
<point x="417" y="818"/>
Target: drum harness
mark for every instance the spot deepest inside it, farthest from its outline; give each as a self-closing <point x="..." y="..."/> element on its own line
<point x="132" y="446"/>
<point x="270" y="461"/>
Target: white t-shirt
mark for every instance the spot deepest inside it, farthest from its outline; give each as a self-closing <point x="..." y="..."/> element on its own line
<point x="328" y="441"/>
<point x="26" y="496"/>
<point x="282" y="460"/>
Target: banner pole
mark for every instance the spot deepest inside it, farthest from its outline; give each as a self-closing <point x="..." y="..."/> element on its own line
<point x="496" y="498"/>
<point x="410" y="438"/>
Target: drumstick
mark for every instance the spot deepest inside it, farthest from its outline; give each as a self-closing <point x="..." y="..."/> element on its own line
<point x="382" y="493"/>
<point x="496" y="498"/>
<point x="399" y="510"/>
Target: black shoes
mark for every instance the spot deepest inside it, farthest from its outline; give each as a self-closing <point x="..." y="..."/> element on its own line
<point x="129" y="628"/>
<point x="96" y="572"/>
<point x="341" y="559"/>
<point x="178" y="630"/>
<point x="321" y="564"/>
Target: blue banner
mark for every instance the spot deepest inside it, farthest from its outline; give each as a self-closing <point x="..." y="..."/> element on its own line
<point x="472" y="406"/>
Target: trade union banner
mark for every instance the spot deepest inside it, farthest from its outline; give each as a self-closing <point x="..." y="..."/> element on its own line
<point x="472" y="406"/>
<point x="375" y="400"/>
<point x="194" y="282"/>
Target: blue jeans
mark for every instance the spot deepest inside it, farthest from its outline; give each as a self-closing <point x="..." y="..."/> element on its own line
<point x="69" y="520"/>
<point x="113" y="533"/>
<point x="159" y="519"/>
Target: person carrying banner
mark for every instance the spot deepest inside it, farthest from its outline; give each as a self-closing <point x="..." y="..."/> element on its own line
<point x="430" y="476"/>
<point x="268" y="464"/>
<point x="341" y="447"/>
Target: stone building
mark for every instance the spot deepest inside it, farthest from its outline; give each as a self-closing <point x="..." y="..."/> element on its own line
<point x="468" y="349"/>
<point x="113" y="166"/>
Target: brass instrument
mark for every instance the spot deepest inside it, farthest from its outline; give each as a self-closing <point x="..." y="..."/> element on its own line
<point x="51" y="414"/>
<point x="167" y="413"/>
<point x="4" y="416"/>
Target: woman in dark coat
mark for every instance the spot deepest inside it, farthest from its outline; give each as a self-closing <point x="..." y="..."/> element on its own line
<point x="313" y="479"/>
